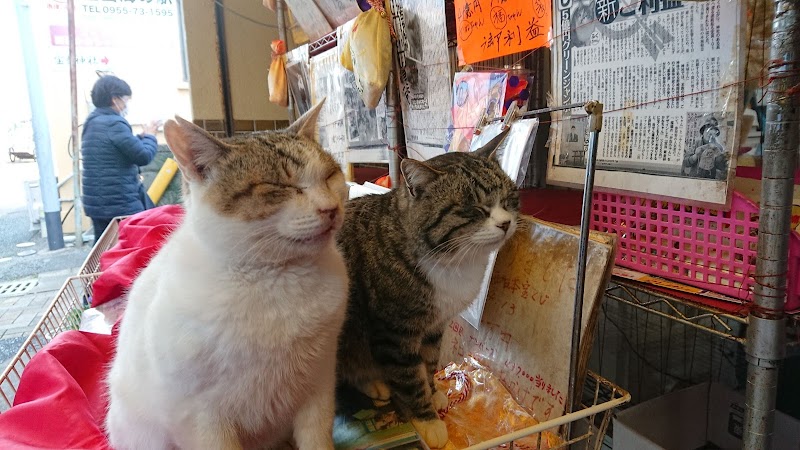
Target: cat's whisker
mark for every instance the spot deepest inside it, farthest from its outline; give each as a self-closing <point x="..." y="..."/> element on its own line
<point x="456" y="242"/>
<point x="275" y="253"/>
<point x="444" y="247"/>
<point x="247" y="240"/>
<point x="259" y="247"/>
<point x="466" y="250"/>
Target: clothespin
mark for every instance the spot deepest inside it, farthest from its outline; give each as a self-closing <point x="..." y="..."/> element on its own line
<point x="511" y="115"/>
<point x="481" y="123"/>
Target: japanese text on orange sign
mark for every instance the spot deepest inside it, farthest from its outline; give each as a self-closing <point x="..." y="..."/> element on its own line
<point x="491" y="28"/>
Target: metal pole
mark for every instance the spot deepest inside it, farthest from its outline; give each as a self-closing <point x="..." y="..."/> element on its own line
<point x="766" y="333"/>
<point x="41" y="131"/>
<point x="76" y="153"/>
<point x="222" y="55"/>
<point x="534" y="112"/>
<point x="595" y="110"/>
<point x="394" y="127"/>
<point x="280" y="6"/>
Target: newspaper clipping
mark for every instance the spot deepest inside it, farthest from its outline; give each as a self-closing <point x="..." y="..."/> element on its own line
<point x="365" y="127"/>
<point x="338" y="11"/>
<point x="666" y="73"/>
<point x="327" y="82"/>
<point x="297" y="76"/>
<point x="424" y="66"/>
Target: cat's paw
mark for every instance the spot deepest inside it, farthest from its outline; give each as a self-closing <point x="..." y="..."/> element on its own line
<point x="378" y="391"/>
<point x="433" y="432"/>
<point x="439" y="401"/>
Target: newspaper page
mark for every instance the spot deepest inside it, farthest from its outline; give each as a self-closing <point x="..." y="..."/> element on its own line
<point x="297" y="77"/>
<point x="338" y="11"/>
<point x="365" y="127"/>
<point x="326" y="82"/>
<point x="424" y="70"/>
<point x="666" y="72"/>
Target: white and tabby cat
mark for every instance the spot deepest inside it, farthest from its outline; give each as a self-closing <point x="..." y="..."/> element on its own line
<point x="416" y="258"/>
<point x="230" y="334"/>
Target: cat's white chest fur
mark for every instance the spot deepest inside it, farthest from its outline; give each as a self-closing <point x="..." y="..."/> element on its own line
<point x="456" y="286"/>
<point x="253" y="345"/>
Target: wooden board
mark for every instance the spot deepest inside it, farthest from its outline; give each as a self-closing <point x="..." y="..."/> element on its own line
<point x="525" y="333"/>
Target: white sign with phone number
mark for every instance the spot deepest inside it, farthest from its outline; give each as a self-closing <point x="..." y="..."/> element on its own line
<point x="136" y="40"/>
<point x="125" y="10"/>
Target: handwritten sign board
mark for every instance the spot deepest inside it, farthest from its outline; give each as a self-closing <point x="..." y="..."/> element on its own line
<point x="525" y="334"/>
<point x="491" y="28"/>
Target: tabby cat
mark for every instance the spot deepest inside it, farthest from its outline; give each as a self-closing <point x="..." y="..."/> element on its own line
<point x="416" y="257"/>
<point x="230" y="334"/>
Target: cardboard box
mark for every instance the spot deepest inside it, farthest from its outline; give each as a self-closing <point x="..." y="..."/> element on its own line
<point x="691" y="419"/>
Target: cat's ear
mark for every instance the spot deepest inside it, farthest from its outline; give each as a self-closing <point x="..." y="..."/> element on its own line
<point x="489" y="150"/>
<point x="194" y="149"/>
<point x="306" y="125"/>
<point x="417" y="175"/>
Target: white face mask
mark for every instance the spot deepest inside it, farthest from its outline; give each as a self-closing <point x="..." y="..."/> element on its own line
<point x="123" y="111"/>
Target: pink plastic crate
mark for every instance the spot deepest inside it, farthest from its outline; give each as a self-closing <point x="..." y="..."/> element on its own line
<point x="701" y="247"/>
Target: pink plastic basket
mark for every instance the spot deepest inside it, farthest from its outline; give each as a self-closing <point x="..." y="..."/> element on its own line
<point x="702" y="247"/>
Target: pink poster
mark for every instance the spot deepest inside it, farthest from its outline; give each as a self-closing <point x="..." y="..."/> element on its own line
<point x="474" y="94"/>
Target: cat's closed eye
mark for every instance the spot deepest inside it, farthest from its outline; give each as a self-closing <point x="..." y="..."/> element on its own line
<point x="483" y="210"/>
<point x="282" y="185"/>
<point x="511" y="201"/>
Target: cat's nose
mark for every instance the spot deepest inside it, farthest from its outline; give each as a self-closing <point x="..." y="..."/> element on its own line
<point x="330" y="213"/>
<point x="504" y="226"/>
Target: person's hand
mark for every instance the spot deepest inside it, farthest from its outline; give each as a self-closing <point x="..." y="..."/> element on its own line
<point x="152" y="127"/>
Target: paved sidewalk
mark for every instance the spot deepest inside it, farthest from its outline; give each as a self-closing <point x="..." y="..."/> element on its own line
<point x="19" y="314"/>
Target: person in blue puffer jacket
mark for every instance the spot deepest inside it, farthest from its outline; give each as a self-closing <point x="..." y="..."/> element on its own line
<point x="112" y="155"/>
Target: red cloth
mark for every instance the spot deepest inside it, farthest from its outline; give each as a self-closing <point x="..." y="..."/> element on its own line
<point x="61" y="399"/>
<point x="140" y="237"/>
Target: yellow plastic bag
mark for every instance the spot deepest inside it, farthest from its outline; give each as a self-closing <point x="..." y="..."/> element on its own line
<point x="346" y="58"/>
<point x="370" y="47"/>
<point x="475" y="394"/>
<point x="278" y="88"/>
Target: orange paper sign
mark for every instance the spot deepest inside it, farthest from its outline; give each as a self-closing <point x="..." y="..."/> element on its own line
<point x="491" y="28"/>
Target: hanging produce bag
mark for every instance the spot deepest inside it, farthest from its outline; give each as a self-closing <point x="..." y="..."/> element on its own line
<point x="346" y="58"/>
<point x="278" y="88"/>
<point x="370" y="48"/>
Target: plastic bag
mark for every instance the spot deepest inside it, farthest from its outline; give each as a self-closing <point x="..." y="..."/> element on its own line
<point x="278" y="88"/>
<point x="474" y="395"/>
<point x="346" y="58"/>
<point x="370" y="48"/>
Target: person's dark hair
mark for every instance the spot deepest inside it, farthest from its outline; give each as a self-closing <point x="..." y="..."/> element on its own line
<point x="106" y="88"/>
